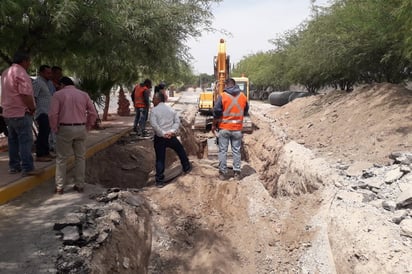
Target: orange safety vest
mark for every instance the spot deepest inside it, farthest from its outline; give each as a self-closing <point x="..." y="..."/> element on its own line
<point x="139" y="96"/>
<point x="233" y="109"/>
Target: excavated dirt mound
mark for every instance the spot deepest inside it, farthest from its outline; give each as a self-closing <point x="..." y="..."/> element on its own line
<point x="364" y="125"/>
<point x="354" y="207"/>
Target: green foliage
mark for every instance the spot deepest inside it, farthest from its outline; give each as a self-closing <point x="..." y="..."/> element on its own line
<point x="205" y="80"/>
<point x="119" y="41"/>
<point x="402" y="14"/>
<point x="350" y="42"/>
<point x="264" y="69"/>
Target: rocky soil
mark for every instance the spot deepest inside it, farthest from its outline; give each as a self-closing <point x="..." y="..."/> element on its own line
<point x="326" y="188"/>
<point x="358" y="169"/>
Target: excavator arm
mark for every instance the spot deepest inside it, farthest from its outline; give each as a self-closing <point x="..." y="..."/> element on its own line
<point x="207" y="99"/>
<point x="222" y="68"/>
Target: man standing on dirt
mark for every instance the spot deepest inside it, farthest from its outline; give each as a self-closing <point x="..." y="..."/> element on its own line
<point x="228" y="113"/>
<point x="71" y="115"/>
<point x="141" y="101"/>
<point x="165" y="122"/>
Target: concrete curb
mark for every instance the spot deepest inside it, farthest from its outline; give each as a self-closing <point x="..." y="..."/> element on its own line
<point x="24" y="184"/>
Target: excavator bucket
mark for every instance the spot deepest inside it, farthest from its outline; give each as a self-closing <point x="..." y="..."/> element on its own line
<point x="202" y="122"/>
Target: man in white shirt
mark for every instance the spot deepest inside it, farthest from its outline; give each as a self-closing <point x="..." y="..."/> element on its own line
<point x="165" y="122"/>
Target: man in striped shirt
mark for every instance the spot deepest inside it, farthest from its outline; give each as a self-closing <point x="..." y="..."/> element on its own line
<point x="42" y="96"/>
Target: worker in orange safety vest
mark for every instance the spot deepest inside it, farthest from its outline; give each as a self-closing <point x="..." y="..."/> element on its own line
<point x="230" y="108"/>
<point x="141" y="102"/>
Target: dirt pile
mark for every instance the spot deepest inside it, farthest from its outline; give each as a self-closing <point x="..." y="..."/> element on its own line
<point x="358" y="186"/>
<point x="364" y="125"/>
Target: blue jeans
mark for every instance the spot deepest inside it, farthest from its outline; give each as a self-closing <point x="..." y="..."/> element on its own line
<point x="139" y="124"/>
<point x="160" y="145"/>
<point x="235" y="140"/>
<point x="20" y="142"/>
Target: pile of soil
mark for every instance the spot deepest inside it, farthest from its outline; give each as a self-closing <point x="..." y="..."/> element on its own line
<point x="366" y="124"/>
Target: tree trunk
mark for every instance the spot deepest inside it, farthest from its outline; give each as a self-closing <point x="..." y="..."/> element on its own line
<point x="106" y="106"/>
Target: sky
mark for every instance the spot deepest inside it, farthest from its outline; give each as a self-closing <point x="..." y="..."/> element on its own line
<point x="251" y="23"/>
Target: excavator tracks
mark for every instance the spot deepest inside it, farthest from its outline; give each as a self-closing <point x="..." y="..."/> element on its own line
<point x="202" y="122"/>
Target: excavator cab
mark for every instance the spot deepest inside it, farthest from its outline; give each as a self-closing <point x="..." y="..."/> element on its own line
<point x="244" y="85"/>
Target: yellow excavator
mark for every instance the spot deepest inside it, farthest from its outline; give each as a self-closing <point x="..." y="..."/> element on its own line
<point x="204" y="117"/>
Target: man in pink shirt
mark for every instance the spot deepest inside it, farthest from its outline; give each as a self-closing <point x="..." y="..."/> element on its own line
<point x="18" y="108"/>
<point x="71" y="115"/>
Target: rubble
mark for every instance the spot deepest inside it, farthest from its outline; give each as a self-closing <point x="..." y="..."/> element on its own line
<point x="393" y="205"/>
<point x="85" y="232"/>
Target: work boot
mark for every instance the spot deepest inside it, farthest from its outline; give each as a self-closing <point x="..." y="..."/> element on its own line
<point x="52" y="155"/>
<point x="78" y="188"/>
<point x="43" y="159"/>
<point x="159" y="184"/>
<point x="145" y="133"/>
<point x="59" y="191"/>
<point x="188" y="170"/>
<point x="222" y="176"/>
<point x="14" y="170"/>
<point x="237" y="176"/>
<point x="33" y="172"/>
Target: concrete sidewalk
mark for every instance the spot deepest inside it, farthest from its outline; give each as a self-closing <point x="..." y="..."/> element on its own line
<point x="13" y="185"/>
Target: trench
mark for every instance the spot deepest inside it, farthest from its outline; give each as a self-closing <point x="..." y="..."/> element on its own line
<point x="129" y="164"/>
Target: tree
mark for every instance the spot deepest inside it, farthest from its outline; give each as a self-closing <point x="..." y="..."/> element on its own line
<point x="350" y="42"/>
<point x="108" y="42"/>
<point x="402" y="13"/>
<point x="264" y="70"/>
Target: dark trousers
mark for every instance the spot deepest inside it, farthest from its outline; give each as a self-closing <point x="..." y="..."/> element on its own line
<point x="160" y="145"/>
<point x="42" y="142"/>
